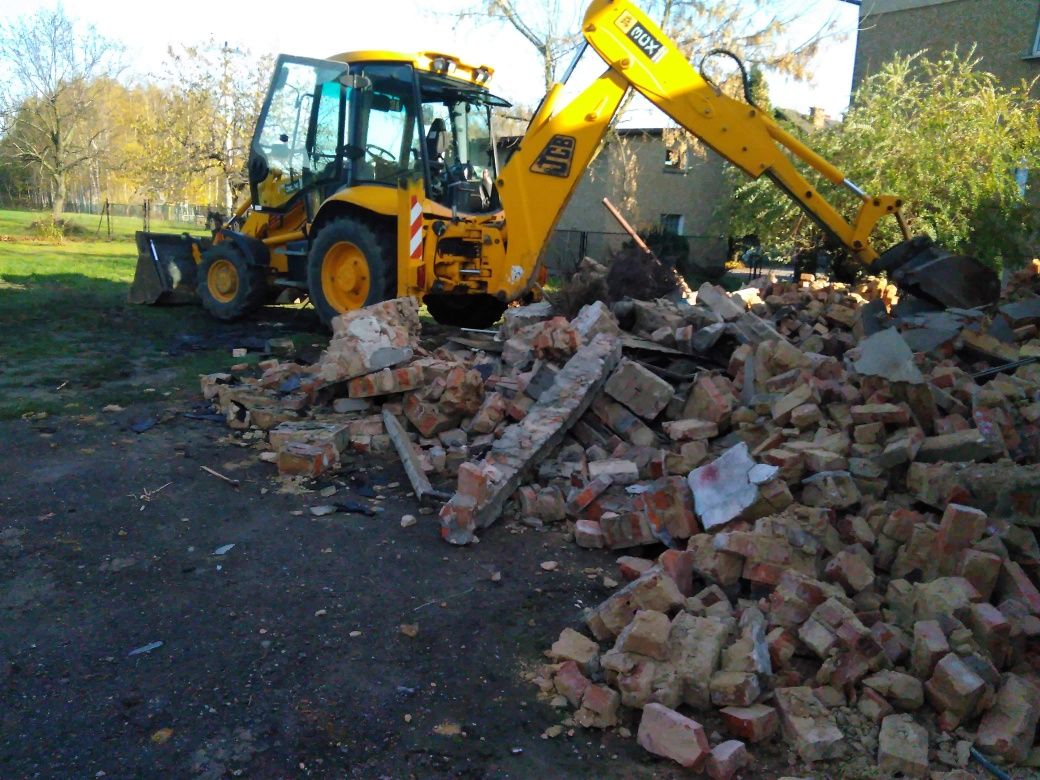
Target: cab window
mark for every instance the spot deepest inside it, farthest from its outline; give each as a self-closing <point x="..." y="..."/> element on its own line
<point x="299" y="131"/>
<point x="384" y="139"/>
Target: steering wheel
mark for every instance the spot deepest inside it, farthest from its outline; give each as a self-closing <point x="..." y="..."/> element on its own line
<point x="380" y="153"/>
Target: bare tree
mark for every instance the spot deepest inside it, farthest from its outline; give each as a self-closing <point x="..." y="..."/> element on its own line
<point x="552" y="27"/>
<point x="222" y="88"/>
<point x="48" y="98"/>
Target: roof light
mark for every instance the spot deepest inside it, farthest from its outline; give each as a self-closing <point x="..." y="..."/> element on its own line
<point x="442" y="65"/>
<point x="481" y="75"/>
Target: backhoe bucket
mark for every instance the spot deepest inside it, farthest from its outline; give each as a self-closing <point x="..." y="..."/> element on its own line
<point x="930" y="272"/>
<point x="166" y="268"/>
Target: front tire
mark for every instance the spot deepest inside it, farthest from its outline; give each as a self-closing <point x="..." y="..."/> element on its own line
<point x="347" y="268"/>
<point x="229" y="286"/>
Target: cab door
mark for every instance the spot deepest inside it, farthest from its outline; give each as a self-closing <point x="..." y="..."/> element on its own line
<point x="297" y="147"/>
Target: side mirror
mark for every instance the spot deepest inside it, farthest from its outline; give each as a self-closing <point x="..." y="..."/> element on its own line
<point x="257" y="168"/>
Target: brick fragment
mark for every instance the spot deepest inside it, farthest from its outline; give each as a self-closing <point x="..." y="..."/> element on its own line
<point x="873" y="705"/>
<point x="1008" y="729"/>
<point x="754" y="723"/>
<point x="690" y="430"/>
<point x="306" y="459"/>
<point x="570" y="682"/>
<point x="385" y="382"/>
<point x="647" y="635"/>
<point x="929" y="646"/>
<point x="853" y="571"/>
<point x="961" y="526"/>
<point x="599" y="707"/>
<point x="954" y="689"/>
<point x="734" y="689"/>
<point x="589" y="534"/>
<point x="903" y="747"/>
<point x="638" y="388"/>
<point x="981" y="569"/>
<point x="664" y="732"/>
<point x="678" y="564"/>
<point x="808" y="725"/>
<point x="727" y="759"/>
<point x="668" y="506"/>
<point x="572" y="646"/>
<point x="619" y="470"/>
<point x="903" y="690"/>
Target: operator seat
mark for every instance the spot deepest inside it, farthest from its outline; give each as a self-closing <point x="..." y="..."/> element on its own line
<point x="436" y="148"/>
<point x="436" y="145"/>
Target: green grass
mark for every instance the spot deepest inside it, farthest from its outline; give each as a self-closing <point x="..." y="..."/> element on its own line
<point x="17" y="224"/>
<point x="69" y="341"/>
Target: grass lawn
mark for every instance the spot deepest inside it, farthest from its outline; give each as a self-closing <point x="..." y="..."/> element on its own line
<point x="69" y="341"/>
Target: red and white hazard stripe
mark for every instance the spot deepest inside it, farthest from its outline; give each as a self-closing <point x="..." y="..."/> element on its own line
<point x="415" y="245"/>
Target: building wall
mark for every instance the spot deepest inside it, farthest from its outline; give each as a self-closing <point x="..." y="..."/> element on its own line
<point x="1004" y="32"/>
<point x="692" y="193"/>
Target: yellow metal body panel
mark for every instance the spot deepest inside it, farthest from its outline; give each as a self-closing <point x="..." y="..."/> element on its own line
<point x="539" y="179"/>
<point x="377" y="198"/>
<point x="425" y="61"/>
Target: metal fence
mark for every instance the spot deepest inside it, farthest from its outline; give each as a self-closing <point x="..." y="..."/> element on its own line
<point x="566" y="248"/>
<point x="185" y="213"/>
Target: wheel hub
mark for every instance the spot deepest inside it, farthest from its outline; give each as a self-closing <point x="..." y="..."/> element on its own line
<point x="345" y="276"/>
<point x="222" y="280"/>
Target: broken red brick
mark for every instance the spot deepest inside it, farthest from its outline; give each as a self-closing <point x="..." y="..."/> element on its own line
<point x="664" y="732"/>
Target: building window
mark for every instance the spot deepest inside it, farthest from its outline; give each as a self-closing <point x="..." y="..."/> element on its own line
<point x="1036" y="42"/>
<point x="672" y="223"/>
<point x="674" y="161"/>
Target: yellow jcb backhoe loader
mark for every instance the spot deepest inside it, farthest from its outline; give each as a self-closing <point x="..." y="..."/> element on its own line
<point x="375" y="174"/>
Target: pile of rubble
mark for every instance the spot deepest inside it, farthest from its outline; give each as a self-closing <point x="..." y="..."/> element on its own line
<point x="844" y="487"/>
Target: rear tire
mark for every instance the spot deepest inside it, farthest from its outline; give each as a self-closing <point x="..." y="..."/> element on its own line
<point x="229" y="286"/>
<point x="348" y="268"/>
<point x="465" y="311"/>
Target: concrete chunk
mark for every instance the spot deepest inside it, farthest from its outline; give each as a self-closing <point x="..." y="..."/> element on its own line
<point x="723" y="489"/>
<point x="885" y="354"/>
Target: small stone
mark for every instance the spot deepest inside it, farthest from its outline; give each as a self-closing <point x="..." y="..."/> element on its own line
<point x="407" y="521"/>
<point x="410" y="630"/>
<point x="323" y="510"/>
<point x="549" y="565"/>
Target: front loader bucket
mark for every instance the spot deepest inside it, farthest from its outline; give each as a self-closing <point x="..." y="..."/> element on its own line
<point x="165" y="268"/>
<point x="930" y="272"/>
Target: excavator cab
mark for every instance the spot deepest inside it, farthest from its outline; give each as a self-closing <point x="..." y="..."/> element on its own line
<point x="327" y="125"/>
<point x="460" y="144"/>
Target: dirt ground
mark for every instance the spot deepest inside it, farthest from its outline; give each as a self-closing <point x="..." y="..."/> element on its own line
<point x="258" y="674"/>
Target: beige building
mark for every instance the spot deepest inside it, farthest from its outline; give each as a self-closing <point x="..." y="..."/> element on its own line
<point x="1005" y="33"/>
<point x="674" y="186"/>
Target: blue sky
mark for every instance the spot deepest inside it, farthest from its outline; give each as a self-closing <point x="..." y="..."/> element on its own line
<point x="323" y="28"/>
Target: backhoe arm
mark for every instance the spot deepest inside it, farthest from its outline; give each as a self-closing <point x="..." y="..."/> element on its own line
<point x="639" y="51"/>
